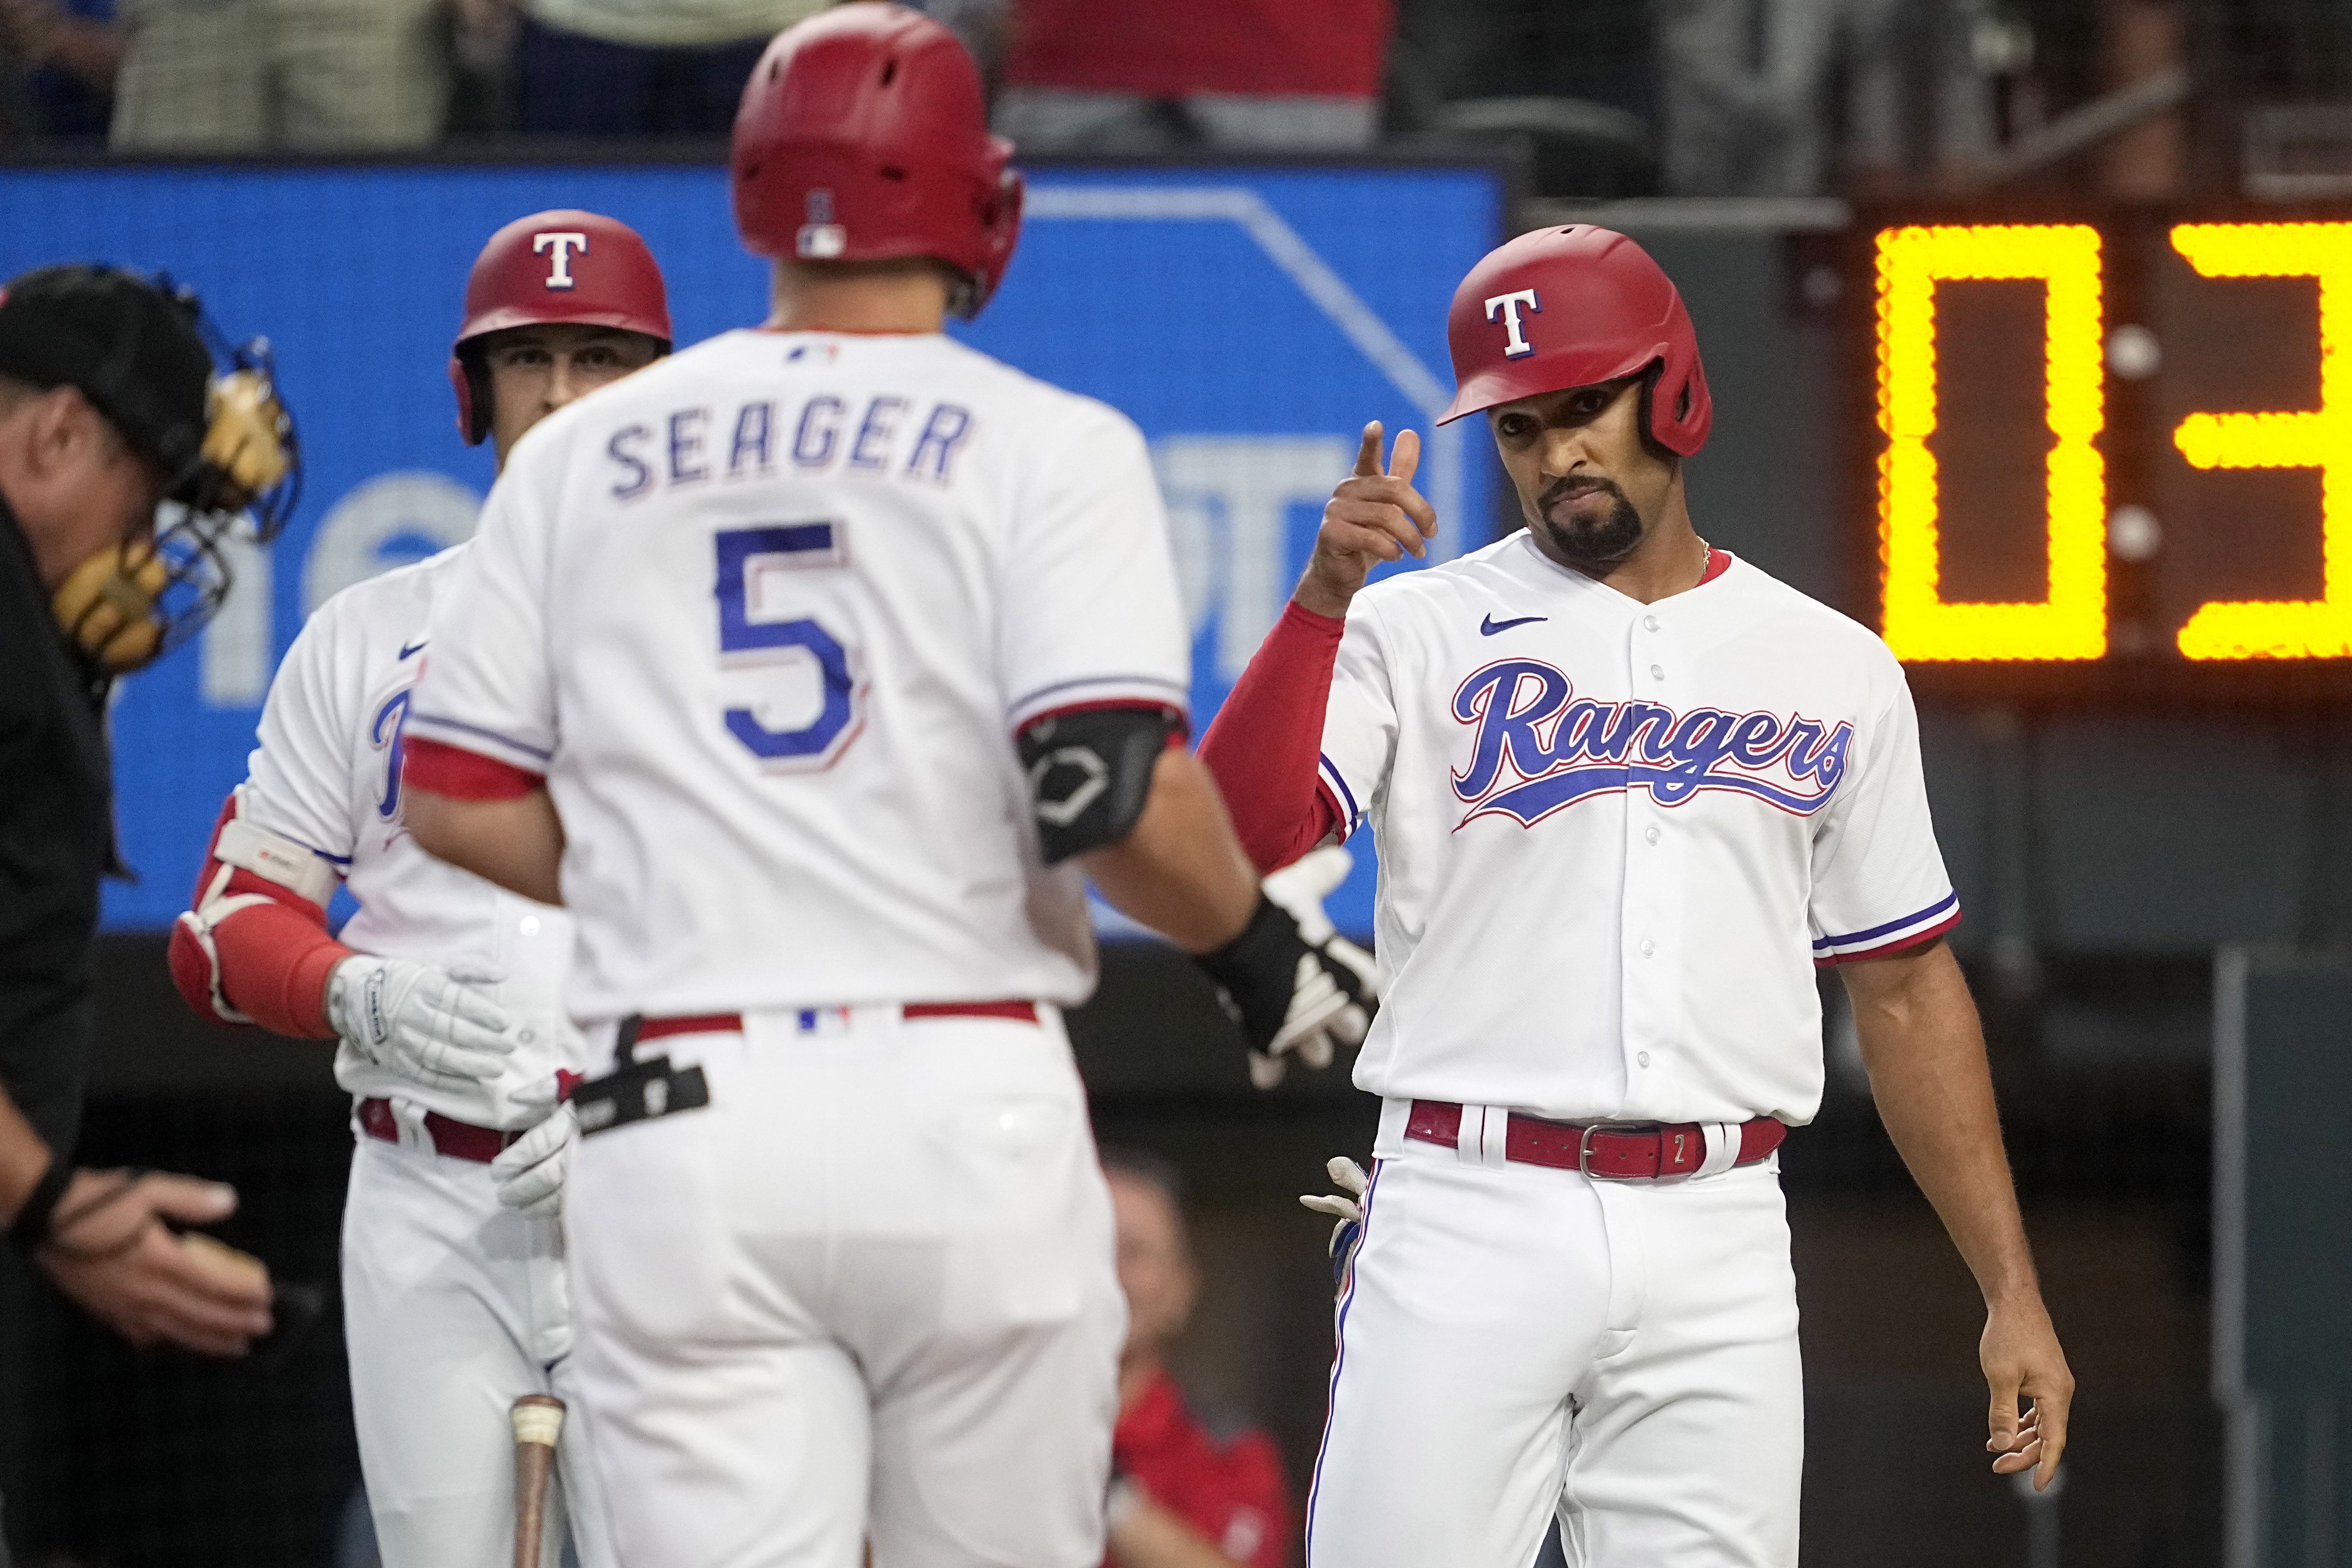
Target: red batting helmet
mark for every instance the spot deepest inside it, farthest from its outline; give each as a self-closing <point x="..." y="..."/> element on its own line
<point x="561" y="266"/>
<point x="1569" y="307"/>
<point x="863" y="137"/>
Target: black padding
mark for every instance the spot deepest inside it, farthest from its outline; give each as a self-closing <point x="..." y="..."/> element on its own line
<point x="1089" y="775"/>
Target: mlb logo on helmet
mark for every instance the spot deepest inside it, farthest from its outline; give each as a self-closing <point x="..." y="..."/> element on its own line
<point x="820" y="238"/>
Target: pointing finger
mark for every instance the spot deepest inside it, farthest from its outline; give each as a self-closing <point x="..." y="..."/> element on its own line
<point x="1368" y="454"/>
<point x="1406" y="456"/>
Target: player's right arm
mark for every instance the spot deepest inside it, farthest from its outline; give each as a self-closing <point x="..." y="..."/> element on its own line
<point x="1263" y="746"/>
<point x="254" y="948"/>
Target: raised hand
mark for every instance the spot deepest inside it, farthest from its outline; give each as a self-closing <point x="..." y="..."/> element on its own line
<point x="1371" y="518"/>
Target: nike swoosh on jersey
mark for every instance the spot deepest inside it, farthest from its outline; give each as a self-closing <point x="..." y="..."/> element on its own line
<point x="1490" y="626"/>
<point x="413" y="648"/>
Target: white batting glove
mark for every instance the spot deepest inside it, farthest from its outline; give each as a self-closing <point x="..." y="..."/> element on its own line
<point x="1346" y="1206"/>
<point x="430" y="1024"/>
<point x="1322" y="1016"/>
<point x="529" y="1172"/>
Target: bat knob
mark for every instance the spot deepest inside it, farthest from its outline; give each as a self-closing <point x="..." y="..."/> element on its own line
<point x="538" y="1418"/>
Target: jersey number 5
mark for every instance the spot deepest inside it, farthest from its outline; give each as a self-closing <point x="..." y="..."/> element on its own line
<point x="753" y="567"/>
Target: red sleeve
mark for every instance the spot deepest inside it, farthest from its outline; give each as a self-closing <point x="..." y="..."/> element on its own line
<point x="267" y="961"/>
<point x="1265" y="742"/>
<point x="462" y="775"/>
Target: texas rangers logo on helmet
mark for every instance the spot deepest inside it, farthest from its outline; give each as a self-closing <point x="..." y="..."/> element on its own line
<point x="558" y="272"/>
<point x="1507" y="306"/>
<point x="1534" y="751"/>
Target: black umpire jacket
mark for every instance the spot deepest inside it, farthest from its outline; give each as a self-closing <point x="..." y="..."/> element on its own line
<point x="56" y="840"/>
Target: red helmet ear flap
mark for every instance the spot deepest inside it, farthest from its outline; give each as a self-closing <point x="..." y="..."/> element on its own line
<point x="473" y="402"/>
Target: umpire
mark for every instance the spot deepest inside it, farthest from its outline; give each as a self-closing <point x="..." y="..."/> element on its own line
<point x="108" y="407"/>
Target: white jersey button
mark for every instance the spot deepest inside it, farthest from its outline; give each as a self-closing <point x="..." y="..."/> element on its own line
<point x="1657" y="672"/>
<point x="530" y="925"/>
<point x="1644" y="1057"/>
<point x="1648" y="947"/>
<point x="1651" y="833"/>
<point x="1649" y="623"/>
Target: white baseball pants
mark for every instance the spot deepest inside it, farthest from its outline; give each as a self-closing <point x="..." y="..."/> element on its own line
<point x="868" y="1291"/>
<point x="454" y="1307"/>
<point x="1516" y="1341"/>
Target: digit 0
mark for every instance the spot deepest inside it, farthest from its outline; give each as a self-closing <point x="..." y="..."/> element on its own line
<point x="1919" y="622"/>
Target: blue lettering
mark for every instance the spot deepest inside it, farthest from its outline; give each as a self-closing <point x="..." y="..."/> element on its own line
<point x="686" y="445"/>
<point x="818" y="455"/>
<point x="643" y="477"/>
<point x="393" y="717"/>
<point x="943" y="432"/>
<point x="752" y="427"/>
<point x="1627" y="726"/>
<point x="880" y="421"/>
<point x="1757" y="740"/>
<point x="1702" y="739"/>
<point x="1509" y="730"/>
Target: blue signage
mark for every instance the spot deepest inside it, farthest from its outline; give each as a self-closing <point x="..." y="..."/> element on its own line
<point x="1248" y="319"/>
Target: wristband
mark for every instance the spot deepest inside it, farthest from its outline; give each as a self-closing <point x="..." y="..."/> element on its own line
<point x="31" y="1225"/>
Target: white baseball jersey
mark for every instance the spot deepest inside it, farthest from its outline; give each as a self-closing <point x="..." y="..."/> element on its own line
<point x="767" y="615"/>
<point x="1615" y="837"/>
<point x="326" y="775"/>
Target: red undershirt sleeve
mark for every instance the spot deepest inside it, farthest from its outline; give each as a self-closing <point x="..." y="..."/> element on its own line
<point x="462" y="775"/>
<point x="1264" y="745"/>
<point x="269" y="961"/>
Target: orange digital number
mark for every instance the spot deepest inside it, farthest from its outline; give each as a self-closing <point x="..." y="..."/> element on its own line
<point x="2071" y="622"/>
<point x="2302" y="438"/>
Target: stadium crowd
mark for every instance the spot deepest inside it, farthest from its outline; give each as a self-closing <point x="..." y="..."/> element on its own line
<point x="1779" y="98"/>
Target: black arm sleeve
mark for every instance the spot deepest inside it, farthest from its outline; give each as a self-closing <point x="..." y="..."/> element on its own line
<point x="1090" y="773"/>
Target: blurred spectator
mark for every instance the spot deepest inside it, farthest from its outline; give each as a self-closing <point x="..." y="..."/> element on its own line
<point x="1782" y="97"/>
<point x="1149" y="76"/>
<point x="69" y="51"/>
<point x="302" y="76"/>
<point x="627" y="67"/>
<point x="1186" y="1492"/>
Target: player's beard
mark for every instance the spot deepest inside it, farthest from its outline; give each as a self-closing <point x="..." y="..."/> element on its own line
<point x="1589" y="543"/>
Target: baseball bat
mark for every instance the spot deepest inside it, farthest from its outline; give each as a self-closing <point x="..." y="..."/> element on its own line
<point x="537" y="1421"/>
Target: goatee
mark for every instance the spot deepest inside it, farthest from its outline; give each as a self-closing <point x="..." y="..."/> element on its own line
<point x="1599" y="543"/>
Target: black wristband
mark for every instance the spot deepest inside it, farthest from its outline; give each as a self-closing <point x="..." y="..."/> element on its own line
<point x="31" y="1225"/>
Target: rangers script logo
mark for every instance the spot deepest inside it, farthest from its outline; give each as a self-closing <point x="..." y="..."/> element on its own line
<point x="1537" y="748"/>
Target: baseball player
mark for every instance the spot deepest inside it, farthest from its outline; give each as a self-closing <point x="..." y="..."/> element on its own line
<point x="1627" y="792"/>
<point x="814" y="669"/>
<point x="444" y="991"/>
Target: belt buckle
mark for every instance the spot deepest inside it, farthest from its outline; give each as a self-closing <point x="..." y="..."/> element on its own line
<point x="1584" y="1148"/>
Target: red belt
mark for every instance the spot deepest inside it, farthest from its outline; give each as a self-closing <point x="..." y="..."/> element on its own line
<point x="1615" y="1150"/>
<point x="732" y="1023"/>
<point x="458" y="1140"/>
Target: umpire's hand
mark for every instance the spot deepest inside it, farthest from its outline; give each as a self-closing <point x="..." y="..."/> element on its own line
<point x="109" y="1250"/>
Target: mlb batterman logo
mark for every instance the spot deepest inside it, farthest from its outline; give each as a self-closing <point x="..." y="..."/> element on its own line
<point x="559" y="271"/>
<point x="820" y="238"/>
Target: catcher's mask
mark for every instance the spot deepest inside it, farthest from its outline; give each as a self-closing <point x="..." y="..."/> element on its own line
<point x="206" y="410"/>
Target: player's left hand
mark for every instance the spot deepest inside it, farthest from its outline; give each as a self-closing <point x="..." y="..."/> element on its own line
<point x="529" y="1172"/>
<point x="1300" y="889"/>
<point x="1346" y="1206"/>
<point x="2020" y="1357"/>
<point x="1288" y="995"/>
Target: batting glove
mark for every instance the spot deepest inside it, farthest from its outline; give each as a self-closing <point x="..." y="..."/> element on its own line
<point x="1347" y="1206"/>
<point x="1291" y="995"/>
<point x="432" y="1026"/>
<point x="529" y="1172"/>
